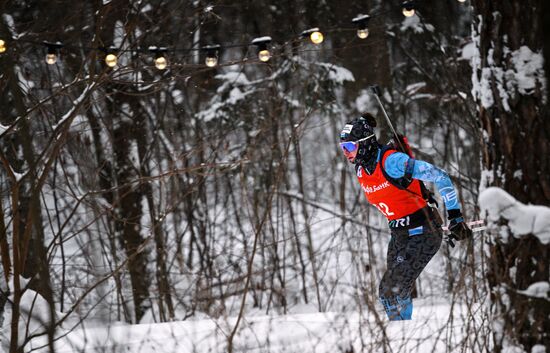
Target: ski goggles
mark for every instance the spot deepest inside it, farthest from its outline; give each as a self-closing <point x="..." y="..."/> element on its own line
<point x="350" y="146"/>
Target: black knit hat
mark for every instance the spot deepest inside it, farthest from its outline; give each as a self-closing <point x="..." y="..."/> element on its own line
<point x="359" y="128"/>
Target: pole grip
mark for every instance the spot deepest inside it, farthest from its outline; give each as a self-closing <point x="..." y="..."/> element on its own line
<point x="374" y="89"/>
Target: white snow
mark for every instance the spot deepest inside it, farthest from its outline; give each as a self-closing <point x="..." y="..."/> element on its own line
<point x="338" y="74"/>
<point x="422" y="96"/>
<point x="10" y="24"/>
<point x="537" y="290"/>
<point x="233" y="78"/>
<point x="261" y="40"/>
<point x="299" y="332"/>
<point x="365" y="102"/>
<point x="119" y="34"/>
<point x="177" y="96"/>
<point x="360" y="18"/>
<point x="17" y="176"/>
<point x="415" y="24"/>
<point x="79" y="123"/>
<point x="34" y="311"/>
<point x="486" y="94"/>
<point x="522" y="76"/>
<point x="538" y="348"/>
<point x="528" y="69"/>
<point x="522" y="219"/>
<point x="468" y="51"/>
<point x="414" y="87"/>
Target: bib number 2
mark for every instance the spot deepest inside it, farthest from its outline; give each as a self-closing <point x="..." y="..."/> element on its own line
<point x="382" y="207"/>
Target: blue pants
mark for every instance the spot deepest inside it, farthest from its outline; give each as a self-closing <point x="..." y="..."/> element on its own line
<point x="408" y="254"/>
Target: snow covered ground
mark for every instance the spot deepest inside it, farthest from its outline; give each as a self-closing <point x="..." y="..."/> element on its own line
<point x="449" y="317"/>
<point x="437" y="326"/>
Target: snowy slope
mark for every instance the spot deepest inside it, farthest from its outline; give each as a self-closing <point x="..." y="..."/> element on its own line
<point x="437" y="327"/>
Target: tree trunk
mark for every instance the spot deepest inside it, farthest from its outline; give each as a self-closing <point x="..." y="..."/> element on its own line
<point x="514" y="122"/>
<point x="128" y="210"/>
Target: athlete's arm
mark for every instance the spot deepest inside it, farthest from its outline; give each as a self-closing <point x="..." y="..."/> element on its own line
<point x="398" y="164"/>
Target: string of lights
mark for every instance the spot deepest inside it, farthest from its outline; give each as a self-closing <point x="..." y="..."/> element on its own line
<point x="211" y="52"/>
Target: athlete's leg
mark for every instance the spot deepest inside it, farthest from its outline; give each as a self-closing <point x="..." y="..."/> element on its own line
<point x="407" y="257"/>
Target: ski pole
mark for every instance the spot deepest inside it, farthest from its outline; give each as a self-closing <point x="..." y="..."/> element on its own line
<point x="375" y="90"/>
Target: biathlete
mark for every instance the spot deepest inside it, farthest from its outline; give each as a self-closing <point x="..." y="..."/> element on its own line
<point x="391" y="181"/>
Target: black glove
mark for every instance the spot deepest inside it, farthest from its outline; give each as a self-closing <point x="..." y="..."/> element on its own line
<point x="458" y="228"/>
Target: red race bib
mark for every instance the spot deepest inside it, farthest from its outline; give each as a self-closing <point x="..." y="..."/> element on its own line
<point x="393" y="202"/>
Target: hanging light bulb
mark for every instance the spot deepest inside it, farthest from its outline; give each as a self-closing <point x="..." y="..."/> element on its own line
<point x="52" y="52"/>
<point x="2" y="46"/>
<point x="408" y="8"/>
<point x="211" y="59"/>
<point x="110" y="56"/>
<point x="314" y="35"/>
<point x="111" y="60"/>
<point x="264" y="55"/>
<point x="363" y="33"/>
<point x="408" y="13"/>
<point x="461" y="0"/>
<point x="317" y="37"/>
<point x="51" y="58"/>
<point x="362" y="22"/>
<point x="263" y="52"/>
<point x="161" y="62"/>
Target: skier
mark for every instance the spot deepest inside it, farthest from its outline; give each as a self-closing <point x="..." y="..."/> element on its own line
<point x="391" y="181"/>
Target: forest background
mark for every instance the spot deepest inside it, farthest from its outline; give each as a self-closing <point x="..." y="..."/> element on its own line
<point x="132" y="194"/>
